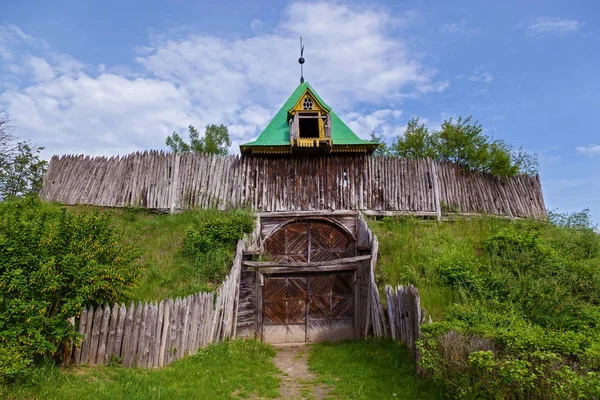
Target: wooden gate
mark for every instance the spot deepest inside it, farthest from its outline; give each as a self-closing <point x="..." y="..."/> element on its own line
<point x="309" y="241"/>
<point x="308" y="307"/>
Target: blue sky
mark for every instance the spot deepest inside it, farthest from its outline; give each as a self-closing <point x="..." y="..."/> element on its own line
<point x="113" y="77"/>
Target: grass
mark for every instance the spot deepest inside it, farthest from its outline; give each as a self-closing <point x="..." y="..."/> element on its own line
<point x="410" y="249"/>
<point x="159" y="237"/>
<point x="235" y="369"/>
<point x="369" y="369"/>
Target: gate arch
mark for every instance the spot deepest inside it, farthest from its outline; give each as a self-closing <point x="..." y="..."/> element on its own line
<point x="310" y="240"/>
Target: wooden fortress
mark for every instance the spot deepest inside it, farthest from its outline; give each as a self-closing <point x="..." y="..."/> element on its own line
<point x="309" y="274"/>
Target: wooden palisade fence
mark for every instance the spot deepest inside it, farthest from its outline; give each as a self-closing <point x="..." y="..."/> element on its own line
<point x="153" y="335"/>
<point x="167" y="181"/>
<point x="405" y="315"/>
<point x="376" y="324"/>
<point x="403" y="303"/>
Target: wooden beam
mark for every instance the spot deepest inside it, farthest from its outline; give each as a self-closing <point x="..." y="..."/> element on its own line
<point x="299" y="264"/>
<point x="374" y="213"/>
<point x="465" y="215"/>
<point x="315" y="213"/>
<point x="325" y="268"/>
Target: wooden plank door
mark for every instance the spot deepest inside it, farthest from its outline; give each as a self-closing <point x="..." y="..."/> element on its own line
<point x="310" y="241"/>
<point x="328" y="242"/>
<point x="289" y="243"/>
<point x="311" y="307"/>
<point x="284" y="316"/>
<point x="331" y="307"/>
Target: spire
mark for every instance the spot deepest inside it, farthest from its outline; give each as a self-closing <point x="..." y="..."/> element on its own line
<point x="301" y="61"/>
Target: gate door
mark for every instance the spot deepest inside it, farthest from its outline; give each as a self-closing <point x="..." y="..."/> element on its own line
<point x="309" y="307"/>
<point x="331" y="307"/>
<point x="284" y="309"/>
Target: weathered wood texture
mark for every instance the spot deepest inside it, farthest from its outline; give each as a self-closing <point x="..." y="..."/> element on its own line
<point x="153" y="335"/>
<point x="375" y="324"/>
<point x="369" y="318"/>
<point x="167" y="181"/>
<point x="405" y="315"/>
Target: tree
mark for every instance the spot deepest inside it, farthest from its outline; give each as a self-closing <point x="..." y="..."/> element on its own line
<point x="381" y="150"/>
<point x="21" y="169"/>
<point x="215" y="141"/>
<point x="7" y="139"/>
<point x="417" y="142"/>
<point x="463" y="142"/>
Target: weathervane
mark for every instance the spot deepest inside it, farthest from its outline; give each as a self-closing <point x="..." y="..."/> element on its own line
<point x="301" y="61"/>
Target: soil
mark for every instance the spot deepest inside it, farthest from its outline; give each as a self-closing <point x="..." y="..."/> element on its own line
<point x="297" y="382"/>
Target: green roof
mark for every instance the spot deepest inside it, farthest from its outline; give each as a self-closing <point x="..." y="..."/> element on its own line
<point x="277" y="132"/>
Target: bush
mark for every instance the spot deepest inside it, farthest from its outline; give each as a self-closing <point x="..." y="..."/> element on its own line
<point x="208" y="242"/>
<point x="14" y="365"/>
<point x="460" y="271"/>
<point x="472" y="366"/>
<point x="52" y="263"/>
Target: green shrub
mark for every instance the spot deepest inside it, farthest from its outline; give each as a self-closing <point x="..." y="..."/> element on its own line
<point x="208" y="242"/>
<point x="52" y="263"/>
<point x="460" y="271"/>
<point x="472" y="366"/>
<point x="14" y="364"/>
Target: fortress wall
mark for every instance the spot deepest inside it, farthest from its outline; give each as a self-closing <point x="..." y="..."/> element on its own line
<point x="168" y="181"/>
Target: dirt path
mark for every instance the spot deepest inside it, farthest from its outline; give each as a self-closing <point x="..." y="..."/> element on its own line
<point x="297" y="382"/>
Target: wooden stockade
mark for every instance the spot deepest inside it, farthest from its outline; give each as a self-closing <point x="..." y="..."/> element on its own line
<point x="378" y="185"/>
<point x="155" y="334"/>
<point x="375" y="318"/>
<point x="405" y="315"/>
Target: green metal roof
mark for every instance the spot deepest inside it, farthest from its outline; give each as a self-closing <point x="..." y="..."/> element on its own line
<point x="277" y="132"/>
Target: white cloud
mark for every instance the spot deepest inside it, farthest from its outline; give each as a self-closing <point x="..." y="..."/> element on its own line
<point x="480" y="74"/>
<point x="552" y="27"/>
<point x="352" y="60"/>
<point x="255" y="24"/>
<point x="459" y="28"/>
<point x="590" y="149"/>
<point x="384" y="122"/>
<point x="9" y="36"/>
<point x="484" y="76"/>
<point x="42" y="71"/>
<point x="107" y="114"/>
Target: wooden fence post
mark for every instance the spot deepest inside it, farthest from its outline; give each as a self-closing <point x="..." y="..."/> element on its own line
<point x="174" y="184"/>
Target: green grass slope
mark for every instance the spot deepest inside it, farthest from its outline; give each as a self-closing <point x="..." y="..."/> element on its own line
<point x="370" y="369"/>
<point x="236" y="369"/>
<point x="516" y="303"/>
<point x="167" y="270"/>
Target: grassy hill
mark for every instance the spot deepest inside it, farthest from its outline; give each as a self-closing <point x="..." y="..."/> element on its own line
<point x="75" y="251"/>
<point x="517" y="303"/>
<point x="167" y="271"/>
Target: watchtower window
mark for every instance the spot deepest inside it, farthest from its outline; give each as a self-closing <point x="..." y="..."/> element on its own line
<point x="307" y="104"/>
<point x="309" y="127"/>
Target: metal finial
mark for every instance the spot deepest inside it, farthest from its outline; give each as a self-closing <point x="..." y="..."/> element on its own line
<point x="301" y="61"/>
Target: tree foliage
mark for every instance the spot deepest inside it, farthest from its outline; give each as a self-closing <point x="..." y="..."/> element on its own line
<point x="216" y="140"/>
<point x="462" y="142"/>
<point x="52" y="263"/>
<point x="21" y="169"/>
<point x="417" y="142"/>
<point x="381" y="150"/>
